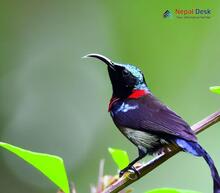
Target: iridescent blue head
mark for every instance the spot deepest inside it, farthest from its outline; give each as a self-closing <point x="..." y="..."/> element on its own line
<point x="125" y="78"/>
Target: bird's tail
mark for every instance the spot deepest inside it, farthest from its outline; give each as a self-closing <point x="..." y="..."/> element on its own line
<point x="197" y="150"/>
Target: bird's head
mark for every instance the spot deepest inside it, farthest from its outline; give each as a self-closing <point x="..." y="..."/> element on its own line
<point x="125" y="78"/>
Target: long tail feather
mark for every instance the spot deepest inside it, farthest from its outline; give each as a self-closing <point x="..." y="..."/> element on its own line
<point x="197" y="150"/>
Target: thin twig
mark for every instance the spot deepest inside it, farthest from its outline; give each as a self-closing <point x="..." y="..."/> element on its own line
<point x="123" y="182"/>
<point x="100" y="178"/>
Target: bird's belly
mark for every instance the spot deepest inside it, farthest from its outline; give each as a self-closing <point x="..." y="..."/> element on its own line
<point x="149" y="142"/>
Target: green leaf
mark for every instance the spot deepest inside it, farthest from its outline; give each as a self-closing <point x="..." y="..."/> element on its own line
<point x="170" y="190"/>
<point x="215" y="89"/>
<point x="120" y="157"/>
<point x="50" y="165"/>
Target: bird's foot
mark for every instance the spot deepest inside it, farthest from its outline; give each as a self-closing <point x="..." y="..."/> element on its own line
<point x="163" y="150"/>
<point x="121" y="173"/>
<point x="130" y="169"/>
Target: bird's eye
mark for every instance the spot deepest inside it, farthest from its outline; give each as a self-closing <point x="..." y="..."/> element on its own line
<point x="125" y="72"/>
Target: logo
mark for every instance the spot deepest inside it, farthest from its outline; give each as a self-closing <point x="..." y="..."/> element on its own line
<point x="192" y="13"/>
<point x="167" y="14"/>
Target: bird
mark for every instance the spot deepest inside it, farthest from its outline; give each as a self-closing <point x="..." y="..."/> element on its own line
<point x="144" y="120"/>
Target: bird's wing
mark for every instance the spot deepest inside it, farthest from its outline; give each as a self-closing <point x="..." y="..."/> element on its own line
<point x="153" y="116"/>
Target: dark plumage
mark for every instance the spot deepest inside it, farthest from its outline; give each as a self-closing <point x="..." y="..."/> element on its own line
<point x="151" y="116"/>
<point x="144" y="120"/>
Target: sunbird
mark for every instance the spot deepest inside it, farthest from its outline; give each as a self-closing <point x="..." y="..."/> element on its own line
<point x="145" y="121"/>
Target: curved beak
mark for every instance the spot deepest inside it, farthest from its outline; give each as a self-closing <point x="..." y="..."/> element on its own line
<point x="102" y="58"/>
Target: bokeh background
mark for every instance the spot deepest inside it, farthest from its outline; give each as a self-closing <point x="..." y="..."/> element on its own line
<point x="53" y="101"/>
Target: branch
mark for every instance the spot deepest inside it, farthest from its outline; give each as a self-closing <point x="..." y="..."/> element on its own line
<point x="124" y="181"/>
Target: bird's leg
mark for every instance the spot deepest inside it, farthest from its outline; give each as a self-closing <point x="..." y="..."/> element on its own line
<point x="130" y="166"/>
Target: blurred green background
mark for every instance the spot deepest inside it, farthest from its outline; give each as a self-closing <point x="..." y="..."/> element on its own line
<point x="55" y="102"/>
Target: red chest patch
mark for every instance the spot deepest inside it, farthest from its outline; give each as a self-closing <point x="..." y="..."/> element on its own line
<point x="134" y="95"/>
<point x="138" y="93"/>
